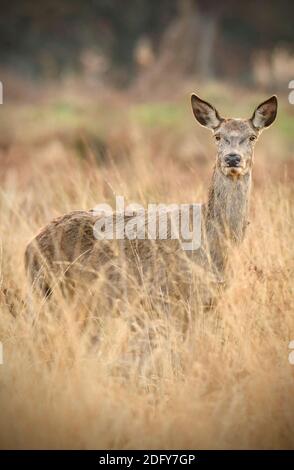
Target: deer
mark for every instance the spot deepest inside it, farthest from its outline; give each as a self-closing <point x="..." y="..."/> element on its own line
<point x="66" y="248"/>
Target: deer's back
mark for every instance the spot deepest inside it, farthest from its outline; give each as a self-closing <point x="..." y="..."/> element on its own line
<point x="67" y="248"/>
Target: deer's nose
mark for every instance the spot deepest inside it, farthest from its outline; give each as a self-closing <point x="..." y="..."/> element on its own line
<point x="232" y="159"/>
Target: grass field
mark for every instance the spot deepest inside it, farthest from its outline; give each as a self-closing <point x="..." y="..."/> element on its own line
<point x="226" y="383"/>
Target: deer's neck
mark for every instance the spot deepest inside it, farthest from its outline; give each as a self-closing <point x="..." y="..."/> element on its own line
<point x="226" y="215"/>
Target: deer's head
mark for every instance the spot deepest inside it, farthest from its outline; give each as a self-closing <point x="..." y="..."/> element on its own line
<point x="235" y="138"/>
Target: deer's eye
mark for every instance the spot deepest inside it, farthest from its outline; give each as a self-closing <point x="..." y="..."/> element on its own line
<point x="252" y="137"/>
<point x="217" y="137"/>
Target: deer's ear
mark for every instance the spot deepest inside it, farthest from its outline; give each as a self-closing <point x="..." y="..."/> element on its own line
<point x="205" y="113"/>
<point x="265" y="113"/>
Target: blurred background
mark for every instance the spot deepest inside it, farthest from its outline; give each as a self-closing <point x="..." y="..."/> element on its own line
<point x="119" y="42"/>
<point x="92" y="79"/>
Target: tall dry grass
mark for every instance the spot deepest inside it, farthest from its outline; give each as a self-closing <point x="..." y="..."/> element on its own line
<point x="225" y="383"/>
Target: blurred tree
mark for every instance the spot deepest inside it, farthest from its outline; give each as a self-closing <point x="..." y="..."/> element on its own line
<point x="51" y="36"/>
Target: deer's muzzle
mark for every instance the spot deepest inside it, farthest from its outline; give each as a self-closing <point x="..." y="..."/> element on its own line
<point x="232" y="160"/>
